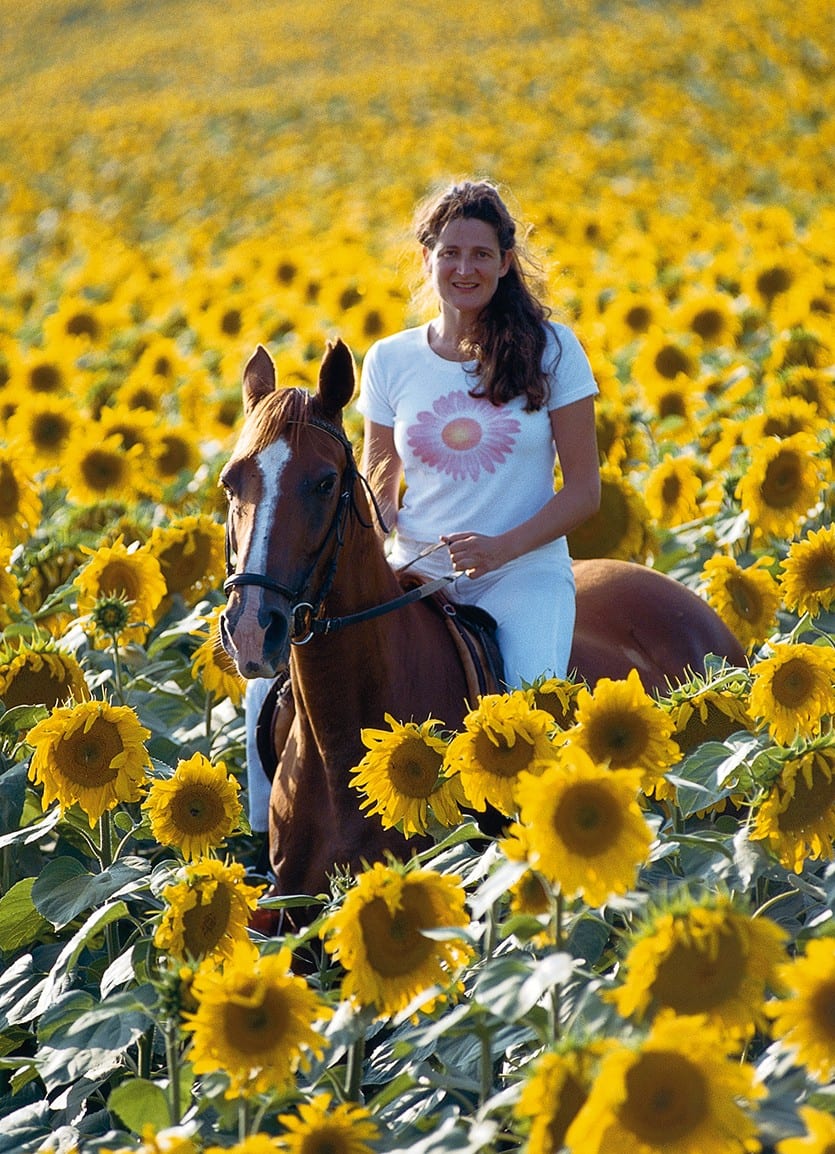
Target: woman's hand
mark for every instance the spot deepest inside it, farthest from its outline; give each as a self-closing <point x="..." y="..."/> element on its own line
<point x="474" y="554"/>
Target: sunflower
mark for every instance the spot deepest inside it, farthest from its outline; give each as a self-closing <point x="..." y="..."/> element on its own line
<point x="797" y="817"/>
<point x="43" y="425"/>
<point x="197" y="808"/>
<point x="791" y="691"/>
<point x="206" y="911"/>
<point x="20" y="503"/>
<point x="100" y="470"/>
<point x="677" y="1093"/>
<point x="620" y="726"/>
<point x="557" y="696"/>
<point x="620" y="528"/>
<point x="784" y="417"/>
<point x="582" y="826"/>
<point x="804" y="1021"/>
<point x="672" y="490"/>
<point x="632" y="314"/>
<point x="807" y="580"/>
<point x="702" y="713"/>
<point x="177" y="452"/>
<point x="253" y="1144"/>
<point x="504" y="736"/>
<point x="705" y="958"/>
<point x="402" y="780"/>
<point x="819" y="1137"/>
<point x="809" y="384"/>
<point x="323" y="1128"/>
<point x="131" y="574"/>
<point x="781" y="485"/>
<point x="39" y="673"/>
<point x="91" y="754"/>
<point x="172" y="1140"/>
<point x="711" y="315"/>
<point x="135" y="428"/>
<point x="379" y="936"/>
<point x="9" y="588"/>
<point x="212" y="666"/>
<point x="747" y="599"/>
<point x="254" y="1022"/>
<point x="191" y="555"/>
<point x="553" y="1094"/>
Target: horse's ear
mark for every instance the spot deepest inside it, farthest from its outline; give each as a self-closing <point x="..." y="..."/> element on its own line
<point x="259" y="378"/>
<point x="336" y="379"/>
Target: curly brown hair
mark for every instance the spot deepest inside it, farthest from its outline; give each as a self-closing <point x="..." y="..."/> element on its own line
<point x="510" y="336"/>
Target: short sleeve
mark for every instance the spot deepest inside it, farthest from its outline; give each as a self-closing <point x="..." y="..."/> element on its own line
<point x="570" y="374"/>
<point x="374" y="401"/>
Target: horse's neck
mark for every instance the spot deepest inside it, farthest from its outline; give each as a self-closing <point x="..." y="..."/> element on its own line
<point x="396" y="663"/>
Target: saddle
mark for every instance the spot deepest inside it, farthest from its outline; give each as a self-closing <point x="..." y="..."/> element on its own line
<point x="473" y="633"/>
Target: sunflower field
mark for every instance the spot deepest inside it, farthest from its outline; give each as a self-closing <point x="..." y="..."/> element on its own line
<point x="644" y="961"/>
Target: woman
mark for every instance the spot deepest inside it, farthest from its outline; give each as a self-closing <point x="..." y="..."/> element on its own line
<point x="469" y="410"/>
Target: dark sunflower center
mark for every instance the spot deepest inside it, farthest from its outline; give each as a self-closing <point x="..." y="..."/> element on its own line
<point x="666" y="1098"/>
<point x="807" y="805"/>
<point x="793" y="683"/>
<point x="572" y="1097"/>
<point x="717" y="726"/>
<point x="83" y="325"/>
<point x="9" y="491"/>
<point x="118" y="580"/>
<point x="102" y="470"/>
<point x="253" y="1030"/>
<point x="414" y="767"/>
<point x="196" y="808"/>
<point x="174" y="456"/>
<point x="501" y="759"/>
<point x="49" y="431"/>
<point x="708" y="323"/>
<point x="206" y="923"/>
<point x="671" y="404"/>
<point x="694" y="981"/>
<point x="588" y="820"/>
<point x="746" y="598"/>
<point x="773" y="281"/>
<point x="670" y="361"/>
<point x="670" y="490"/>
<point x="601" y="535"/>
<point x="638" y="318"/>
<point x="823" y="1010"/>
<point x="819" y="572"/>
<point x="45" y="379"/>
<point x="185" y="562"/>
<point x="86" y="757"/>
<point x="31" y="686"/>
<point x="619" y="737"/>
<point x="781" y="486"/>
<point x="394" y="944"/>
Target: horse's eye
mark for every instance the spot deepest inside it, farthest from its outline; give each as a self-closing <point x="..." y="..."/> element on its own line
<point x="326" y="486"/>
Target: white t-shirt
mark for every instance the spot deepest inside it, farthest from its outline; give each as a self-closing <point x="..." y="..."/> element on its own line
<point x="469" y="465"/>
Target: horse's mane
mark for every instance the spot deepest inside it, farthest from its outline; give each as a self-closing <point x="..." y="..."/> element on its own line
<point x="283" y="411"/>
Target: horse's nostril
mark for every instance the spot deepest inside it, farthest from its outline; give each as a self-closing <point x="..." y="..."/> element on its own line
<point x="275" y="635"/>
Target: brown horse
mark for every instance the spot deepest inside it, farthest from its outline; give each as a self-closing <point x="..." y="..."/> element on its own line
<point x="305" y="559"/>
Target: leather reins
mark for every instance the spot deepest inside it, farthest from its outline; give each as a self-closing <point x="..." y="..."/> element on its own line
<point x="305" y="619"/>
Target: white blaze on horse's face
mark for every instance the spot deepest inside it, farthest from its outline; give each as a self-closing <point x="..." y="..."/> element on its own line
<point x="245" y="628"/>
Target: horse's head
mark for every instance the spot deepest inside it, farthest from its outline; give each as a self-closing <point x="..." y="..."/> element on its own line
<point x="289" y="484"/>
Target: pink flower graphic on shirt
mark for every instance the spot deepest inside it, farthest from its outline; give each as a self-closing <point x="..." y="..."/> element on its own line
<point x="462" y="436"/>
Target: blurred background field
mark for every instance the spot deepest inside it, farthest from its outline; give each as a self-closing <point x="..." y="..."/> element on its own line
<point x="181" y="180"/>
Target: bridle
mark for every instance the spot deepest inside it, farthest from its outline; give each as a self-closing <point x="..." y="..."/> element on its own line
<point x="305" y="619"/>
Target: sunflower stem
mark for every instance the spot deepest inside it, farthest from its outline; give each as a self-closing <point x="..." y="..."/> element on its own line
<point x="105" y="861"/>
<point x="353" y="1069"/>
<point x="557" y="909"/>
<point x="243" y="1119"/>
<point x="117" y="670"/>
<point x="207" y="714"/>
<point x="172" y="1058"/>
<point x="485" y="1065"/>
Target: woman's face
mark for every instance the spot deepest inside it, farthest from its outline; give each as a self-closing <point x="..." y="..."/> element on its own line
<point x="466" y="264"/>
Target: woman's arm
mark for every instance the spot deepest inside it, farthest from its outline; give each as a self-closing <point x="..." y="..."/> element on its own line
<point x="383" y="468"/>
<point x="576" y="440"/>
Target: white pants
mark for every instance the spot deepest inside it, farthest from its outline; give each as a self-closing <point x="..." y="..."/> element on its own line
<point x="258" y="784"/>
<point x="532" y="600"/>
